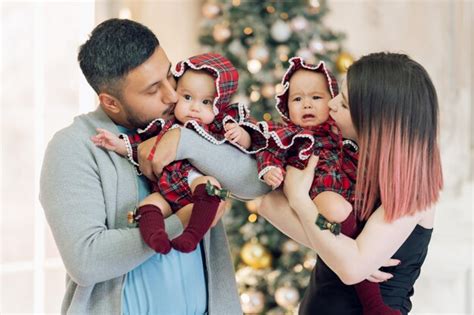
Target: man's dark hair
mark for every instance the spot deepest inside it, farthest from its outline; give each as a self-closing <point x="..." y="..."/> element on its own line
<point x="114" y="48"/>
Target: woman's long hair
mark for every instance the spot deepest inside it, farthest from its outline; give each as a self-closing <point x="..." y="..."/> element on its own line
<point x="394" y="109"/>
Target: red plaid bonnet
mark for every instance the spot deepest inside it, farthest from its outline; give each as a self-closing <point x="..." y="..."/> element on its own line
<point x="297" y="63"/>
<point x="225" y="76"/>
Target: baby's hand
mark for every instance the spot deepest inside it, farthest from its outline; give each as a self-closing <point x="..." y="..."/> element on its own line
<point x="274" y="177"/>
<point x="233" y="132"/>
<point x="107" y="140"/>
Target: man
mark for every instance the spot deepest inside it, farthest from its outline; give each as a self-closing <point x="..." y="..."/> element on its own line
<point x="86" y="193"/>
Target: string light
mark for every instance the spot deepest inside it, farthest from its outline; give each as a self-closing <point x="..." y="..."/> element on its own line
<point x="248" y="30"/>
<point x="253" y="218"/>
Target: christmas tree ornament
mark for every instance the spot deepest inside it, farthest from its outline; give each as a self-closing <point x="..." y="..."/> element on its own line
<point x="309" y="262"/>
<point x="252" y="301"/>
<point x="316" y="46"/>
<point x="248" y="276"/>
<point x="254" y="65"/>
<point x="299" y="24"/>
<point x="278" y="88"/>
<point x="252" y="205"/>
<point x="268" y="90"/>
<point x="314" y="7"/>
<point x="298" y="268"/>
<point x="254" y="96"/>
<point x="280" y="31"/>
<point x="252" y="218"/>
<point x="210" y="10"/>
<point x="240" y="98"/>
<point x="236" y="48"/>
<point x="307" y="55"/>
<point x="221" y="33"/>
<point x="259" y="52"/>
<point x="290" y="246"/>
<point x="270" y="9"/>
<point x="343" y="62"/>
<point x="255" y="255"/>
<point x="287" y="297"/>
<point x="248" y="30"/>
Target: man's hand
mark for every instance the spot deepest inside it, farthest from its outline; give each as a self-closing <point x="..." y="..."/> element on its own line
<point x="274" y="177"/>
<point x="165" y="153"/>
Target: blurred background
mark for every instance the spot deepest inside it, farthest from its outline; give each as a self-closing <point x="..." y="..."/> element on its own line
<point x="42" y="89"/>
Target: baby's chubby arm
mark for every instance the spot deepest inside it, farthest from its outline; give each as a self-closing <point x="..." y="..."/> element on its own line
<point x="109" y="141"/>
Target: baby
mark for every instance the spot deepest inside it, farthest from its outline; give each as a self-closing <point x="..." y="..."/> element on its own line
<point x="308" y="129"/>
<point x="205" y="84"/>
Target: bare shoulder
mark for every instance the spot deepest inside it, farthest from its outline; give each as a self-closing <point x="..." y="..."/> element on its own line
<point x="427" y="220"/>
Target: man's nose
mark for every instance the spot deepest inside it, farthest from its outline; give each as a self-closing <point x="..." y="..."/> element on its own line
<point x="169" y="94"/>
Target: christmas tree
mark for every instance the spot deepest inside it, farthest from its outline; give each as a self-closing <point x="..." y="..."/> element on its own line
<point x="259" y="37"/>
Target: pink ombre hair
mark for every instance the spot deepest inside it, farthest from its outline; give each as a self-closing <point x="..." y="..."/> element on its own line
<point x="394" y="109"/>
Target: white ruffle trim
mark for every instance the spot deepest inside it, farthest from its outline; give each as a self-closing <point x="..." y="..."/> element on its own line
<point x="351" y="143"/>
<point x="162" y="123"/>
<point x="265" y="171"/>
<point x="286" y="85"/>
<point x="124" y="137"/>
<point x="243" y="114"/>
<point x="303" y="155"/>
<point x="194" y="67"/>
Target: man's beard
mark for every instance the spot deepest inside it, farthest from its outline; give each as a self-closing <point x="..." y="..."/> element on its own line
<point x="133" y="119"/>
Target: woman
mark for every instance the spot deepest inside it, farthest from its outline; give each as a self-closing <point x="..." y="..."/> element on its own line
<point x="388" y="105"/>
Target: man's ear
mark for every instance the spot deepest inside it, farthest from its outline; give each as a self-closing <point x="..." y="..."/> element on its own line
<point x="110" y="103"/>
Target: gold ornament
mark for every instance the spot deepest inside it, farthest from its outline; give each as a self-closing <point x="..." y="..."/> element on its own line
<point x="290" y="246"/>
<point x="255" y="96"/>
<point x="210" y="10"/>
<point x="267" y="117"/>
<point x="248" y="30"/>
<point x="287" y="297"/>
<point x="252" y="205"/>
<point x="256" y="255"/>
<point x="221" y="33"/>
<point x="259" y="52"/>
<point x="343" y="62"/>
<point x="252" y="301"/>
<point x="268" y="90"/>
<point x="252" y="218"/>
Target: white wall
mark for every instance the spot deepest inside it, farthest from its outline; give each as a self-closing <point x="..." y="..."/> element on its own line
<point x="41" y="90"/>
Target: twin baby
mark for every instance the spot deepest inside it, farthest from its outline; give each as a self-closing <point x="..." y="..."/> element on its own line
<point x="205" y="85"/>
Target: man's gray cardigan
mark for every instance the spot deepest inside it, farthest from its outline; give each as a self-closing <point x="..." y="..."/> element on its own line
<point x="86" y="193"/>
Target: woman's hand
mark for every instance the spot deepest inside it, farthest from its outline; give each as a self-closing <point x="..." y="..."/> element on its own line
<point x="298" y="182"/>
<point x="380" y="276"/>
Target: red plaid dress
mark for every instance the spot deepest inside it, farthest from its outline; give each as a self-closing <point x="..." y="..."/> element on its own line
<point x="173" y="182"/>
<point x="290" y="144"/>
<point x="293" y="145"/>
